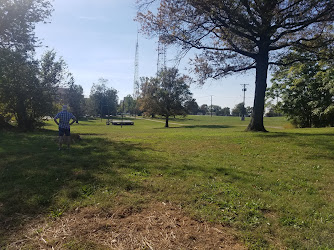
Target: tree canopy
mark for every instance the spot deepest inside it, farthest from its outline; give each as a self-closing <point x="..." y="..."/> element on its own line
<point x="128" y="105"/>
<point x="18" y="20"/>
<point x="25" y="92"/>
<point x="166" y="94"/>
<point x="306" y="89"/>
<point x="76" y="99"/>
<point x="238" y="35"/>
<point x="104" y="99"/>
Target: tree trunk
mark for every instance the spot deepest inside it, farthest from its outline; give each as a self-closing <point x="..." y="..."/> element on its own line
<point x="256" y="123"/>
<point x="166" y="124"/>
<point x="21" y="115"/>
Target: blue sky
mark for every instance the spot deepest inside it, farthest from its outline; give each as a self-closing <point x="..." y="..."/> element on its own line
<point x="97" y="39"/>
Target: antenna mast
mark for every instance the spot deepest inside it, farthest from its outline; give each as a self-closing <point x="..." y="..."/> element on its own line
<point x="136" y="75"/>
<point x="162" y="51"/>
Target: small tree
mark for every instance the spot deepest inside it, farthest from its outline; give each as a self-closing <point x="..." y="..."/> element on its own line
<point x="129" y="105"/>
<point x="204" y="109"/>
<point x="216" y="109"/>
<point x="239" y="109"/>
<point x="104" y="100"/>
<point x="76" y="99"/>
<point x="226" y="111"/>
<point x="192" y="107"/>
<point x="165" y="94"/>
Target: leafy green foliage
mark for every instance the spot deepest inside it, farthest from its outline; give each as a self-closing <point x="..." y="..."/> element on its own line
<point x="306" y="91"/>
<point x="239" y="109"/>
<point x="28" y="87"/>
<point x="76" y="99"/>
<point x="128" y="105"/>
<point x="191" y="107"/>
<point x="18" y="20"/>
<point x="166" y="95"/>
<point x="103" y="99"/>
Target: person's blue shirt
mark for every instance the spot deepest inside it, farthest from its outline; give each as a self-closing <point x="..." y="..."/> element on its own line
<point x="64" y="119"/>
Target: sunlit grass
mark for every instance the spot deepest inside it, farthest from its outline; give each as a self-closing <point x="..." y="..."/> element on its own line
<point x="276" y="188"/>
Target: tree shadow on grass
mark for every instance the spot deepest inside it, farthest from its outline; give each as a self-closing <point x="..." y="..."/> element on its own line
<point x="36" y="179"/>
<point x="208" y="126"/>
<point x="322" y="141"/>
<point x="197" y="126"/>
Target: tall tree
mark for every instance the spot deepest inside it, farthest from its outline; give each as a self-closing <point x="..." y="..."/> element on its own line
<point x="239" y="35"/>
<point x="18" y="20"/>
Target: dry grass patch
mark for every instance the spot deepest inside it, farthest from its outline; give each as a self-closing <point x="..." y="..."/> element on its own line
<point x="159" y="226"/>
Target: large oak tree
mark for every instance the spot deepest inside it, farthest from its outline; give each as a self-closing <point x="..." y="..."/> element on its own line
<point x="235" y="36"/>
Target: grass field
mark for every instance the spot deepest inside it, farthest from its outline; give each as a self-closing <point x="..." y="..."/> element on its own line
<point x="274" y="189"/>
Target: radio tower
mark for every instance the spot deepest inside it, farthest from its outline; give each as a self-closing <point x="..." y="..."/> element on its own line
<point x="161" y="63"/>
<point x="136" y="76"/>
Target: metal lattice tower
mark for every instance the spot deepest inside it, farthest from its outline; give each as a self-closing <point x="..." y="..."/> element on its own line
<point x="162" y="51"/>
<point x="136" y="76"/>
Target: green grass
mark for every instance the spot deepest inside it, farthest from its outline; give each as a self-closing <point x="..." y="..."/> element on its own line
<point x="275" y="188"/>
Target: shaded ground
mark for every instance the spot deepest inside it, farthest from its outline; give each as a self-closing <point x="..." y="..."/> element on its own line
<point x="160" y="226"/>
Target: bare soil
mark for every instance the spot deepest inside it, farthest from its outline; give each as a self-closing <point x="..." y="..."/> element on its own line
<point x="159" y="226"/>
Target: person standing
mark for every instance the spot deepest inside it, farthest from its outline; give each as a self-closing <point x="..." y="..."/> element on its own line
<point x="64" y="126"/>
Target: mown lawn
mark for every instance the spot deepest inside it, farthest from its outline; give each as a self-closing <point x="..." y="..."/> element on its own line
<point x="275" y="188"/>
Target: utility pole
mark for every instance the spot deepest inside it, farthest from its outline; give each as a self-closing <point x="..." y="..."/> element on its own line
<point x="243" y="90"/>
<point x="122" y="113"/>
<point x="211" y="105"/>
